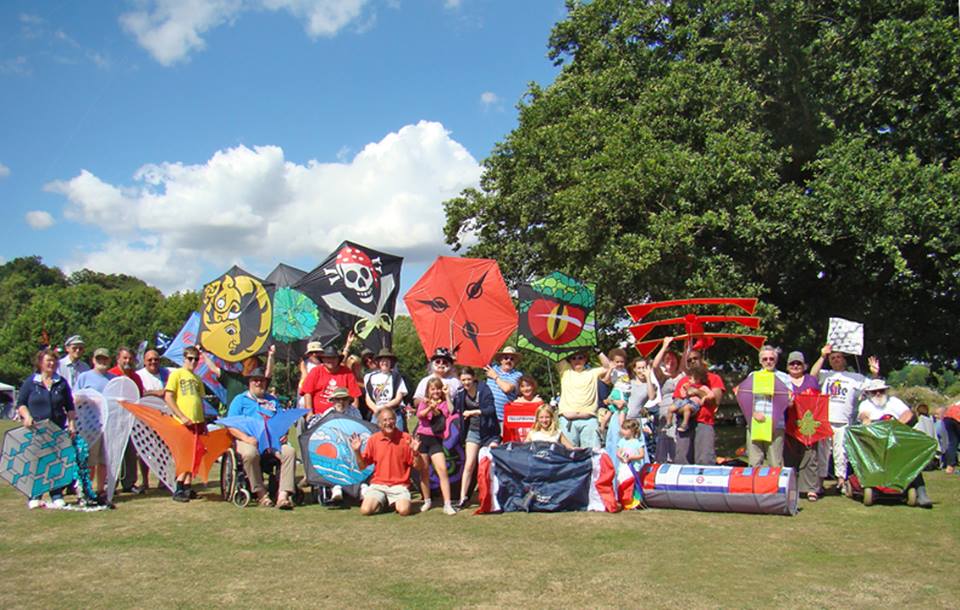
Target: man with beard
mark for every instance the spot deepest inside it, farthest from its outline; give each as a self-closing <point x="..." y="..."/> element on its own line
<point x="257" y="403"/>
<point x="97" y="377"/>
<point x="877" y="406"/>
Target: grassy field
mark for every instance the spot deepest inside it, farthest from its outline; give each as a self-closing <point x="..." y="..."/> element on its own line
<point x="152" y="552"/>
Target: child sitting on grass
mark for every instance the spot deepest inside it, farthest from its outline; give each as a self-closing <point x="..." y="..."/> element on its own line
<point x="688" y="397"/>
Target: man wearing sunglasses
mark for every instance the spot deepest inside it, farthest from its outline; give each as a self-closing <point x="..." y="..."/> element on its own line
<point x="503" y="378"/>
<point x="152" y="375"/>
<point x="184" y="395"/>
<point x="578" y="398"/>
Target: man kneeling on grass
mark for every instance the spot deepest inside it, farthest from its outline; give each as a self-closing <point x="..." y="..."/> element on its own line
<point x="392" y="453"/>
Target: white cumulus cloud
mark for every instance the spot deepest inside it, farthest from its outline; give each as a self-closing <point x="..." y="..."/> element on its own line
<point x="39" y="220"/>
<point x="489" y="98"/>
<point x="4" y="171"/>
<point x="172" y="29"/>
<point x="253" y="204"/>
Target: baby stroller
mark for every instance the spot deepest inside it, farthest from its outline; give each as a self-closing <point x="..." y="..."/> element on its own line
<point x="235" y="486"/>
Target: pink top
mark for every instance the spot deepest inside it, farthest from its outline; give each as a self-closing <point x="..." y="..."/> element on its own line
<point x="424" y="416"/>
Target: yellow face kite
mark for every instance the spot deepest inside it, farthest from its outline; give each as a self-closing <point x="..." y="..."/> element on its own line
<point x="235" y="316"/>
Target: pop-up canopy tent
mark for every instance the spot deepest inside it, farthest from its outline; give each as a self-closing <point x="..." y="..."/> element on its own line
<point x="8" y="398"/>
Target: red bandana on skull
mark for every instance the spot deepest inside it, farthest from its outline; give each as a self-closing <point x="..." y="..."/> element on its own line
<point x="358" y="272"/>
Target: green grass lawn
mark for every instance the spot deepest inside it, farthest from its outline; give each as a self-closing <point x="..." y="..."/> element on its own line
<point x="153" y="552"/>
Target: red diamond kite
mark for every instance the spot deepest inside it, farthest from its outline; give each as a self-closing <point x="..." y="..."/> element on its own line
<point x="462" y="304"/>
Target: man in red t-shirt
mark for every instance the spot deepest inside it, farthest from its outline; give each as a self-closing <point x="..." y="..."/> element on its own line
<point x="702" y="449"/>
<point x="126" y="366"/>
<point x="392" y="453"/>
<point x="323" y="379"/>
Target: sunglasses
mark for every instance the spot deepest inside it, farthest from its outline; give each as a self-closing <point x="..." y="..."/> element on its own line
<point x="510" y="358"/>
<point x="441" y="361"/>
<point x="190" y="358"/>
<point x="578" y="357"/>
<point x="797" y="363"/>
<point x="768" y="360"/>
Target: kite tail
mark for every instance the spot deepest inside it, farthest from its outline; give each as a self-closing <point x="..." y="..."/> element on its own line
<point x="199" y="449"/>
<point x="639" y="503"/>
<point x="83" y="484"/>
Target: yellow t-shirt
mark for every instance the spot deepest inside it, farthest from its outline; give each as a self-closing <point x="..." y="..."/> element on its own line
<point x="187" y="392"/>
<point x="578" y="389"/>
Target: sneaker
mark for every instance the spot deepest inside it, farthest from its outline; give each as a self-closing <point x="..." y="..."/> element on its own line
<point x="58" y="503"/>
<point x="192" y="494"/>
<point x="462" y="504"/>
<point x="181" y="496"/>
<point x="449" y="510"/>
<point x="427" y="505"/>
<point x="137" y="490"/>
<point x="34" y="503"/>
<point x="336" y="494"/>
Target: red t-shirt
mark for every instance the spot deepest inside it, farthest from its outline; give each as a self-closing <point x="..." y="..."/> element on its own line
<point x="119" y="372"/>
<point x="953" y="412"/>
<point x="391" y="456"/>
<point x="320" y="383"/>
<point x="708" y="410"/>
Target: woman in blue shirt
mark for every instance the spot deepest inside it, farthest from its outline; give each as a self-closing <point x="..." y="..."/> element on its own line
<point x="45" y="395"/>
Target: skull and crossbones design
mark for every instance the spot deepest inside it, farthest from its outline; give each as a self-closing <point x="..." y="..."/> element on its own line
<point x="358" y="272"/>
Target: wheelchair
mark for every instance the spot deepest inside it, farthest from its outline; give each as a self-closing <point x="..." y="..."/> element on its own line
<point x="235" y="486"/>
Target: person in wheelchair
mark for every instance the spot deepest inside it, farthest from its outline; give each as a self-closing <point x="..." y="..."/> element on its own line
<point x="257" y="403"/>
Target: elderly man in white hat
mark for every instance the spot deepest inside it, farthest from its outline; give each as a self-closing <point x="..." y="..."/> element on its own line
<point x="878" y="406"/>
<point x="503" y="378"/>
<point x="73" y="364"/>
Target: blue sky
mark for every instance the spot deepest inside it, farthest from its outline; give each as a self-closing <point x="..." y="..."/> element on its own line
<point x="170" y="139"/>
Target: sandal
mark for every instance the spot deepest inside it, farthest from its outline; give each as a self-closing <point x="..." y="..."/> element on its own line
<point x="812" y="497"/>
<point x="265" y="501"/>
<point x="285" y="504"/>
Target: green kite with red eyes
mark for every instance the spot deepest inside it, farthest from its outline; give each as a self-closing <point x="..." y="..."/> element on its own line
<point x="557" y="316"/>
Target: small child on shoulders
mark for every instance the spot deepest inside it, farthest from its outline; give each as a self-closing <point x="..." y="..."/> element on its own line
<point x="619" y="381"/>
<point x="686" y="402"/>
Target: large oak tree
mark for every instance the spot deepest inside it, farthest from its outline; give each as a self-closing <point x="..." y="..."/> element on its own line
<point x="803" y="152"/>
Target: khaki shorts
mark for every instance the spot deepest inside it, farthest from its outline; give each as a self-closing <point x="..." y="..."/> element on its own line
<point x="387" y="494"/>
<point x="96" y="453"/>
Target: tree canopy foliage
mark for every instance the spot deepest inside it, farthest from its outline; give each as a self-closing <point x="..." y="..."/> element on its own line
<point x="106" y="310"/>
<point x="803" y="152"/>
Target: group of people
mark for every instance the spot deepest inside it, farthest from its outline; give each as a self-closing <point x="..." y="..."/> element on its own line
<point x="664" y="409"/>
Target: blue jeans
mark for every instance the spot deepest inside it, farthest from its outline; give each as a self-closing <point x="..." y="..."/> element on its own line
<point x="581" y="432"/>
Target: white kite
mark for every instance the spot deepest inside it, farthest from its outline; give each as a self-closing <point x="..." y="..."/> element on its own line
<point x="845" y="336"/>
<point x="117" y="423"/>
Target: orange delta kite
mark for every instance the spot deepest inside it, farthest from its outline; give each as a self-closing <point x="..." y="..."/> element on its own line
<point x="185" y="446"/>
